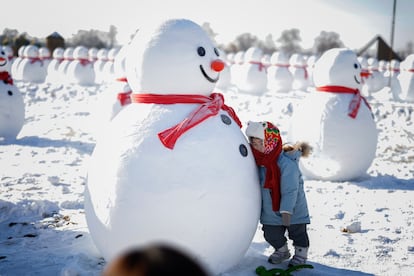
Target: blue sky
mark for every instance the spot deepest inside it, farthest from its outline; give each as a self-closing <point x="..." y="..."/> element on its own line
<point x="356" y="21"/>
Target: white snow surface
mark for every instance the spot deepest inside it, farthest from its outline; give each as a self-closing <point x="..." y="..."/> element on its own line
<point x="43" y="230"/>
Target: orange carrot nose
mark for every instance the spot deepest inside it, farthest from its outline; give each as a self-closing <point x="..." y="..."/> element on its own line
<point x="365" y="74"/>
<point x="2" y="59"/>
<point x="217" y="65"/>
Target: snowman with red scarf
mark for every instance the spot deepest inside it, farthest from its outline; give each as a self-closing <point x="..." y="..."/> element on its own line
<point x="174" y="165"/>
<point x="12" y="108"/>
<point x="336" y="120"/>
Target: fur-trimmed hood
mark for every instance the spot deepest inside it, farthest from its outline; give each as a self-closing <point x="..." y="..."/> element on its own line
<point x="303" y="147"/>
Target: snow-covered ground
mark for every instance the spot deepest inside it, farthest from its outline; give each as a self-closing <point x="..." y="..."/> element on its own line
<point x="43" y="173"/>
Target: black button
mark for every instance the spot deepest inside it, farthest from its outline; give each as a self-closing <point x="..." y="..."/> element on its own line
<point x="226" y="119"/>
<point x="243" y="150"/>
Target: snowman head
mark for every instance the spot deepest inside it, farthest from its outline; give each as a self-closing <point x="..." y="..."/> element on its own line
<point x="31" y="51"/>
<point x="44" y="52"/>
<point x="58" y="53"/>
<point x="338" y="67"/>
<point x="80" y="52"/>
<point x="175" y="57"/>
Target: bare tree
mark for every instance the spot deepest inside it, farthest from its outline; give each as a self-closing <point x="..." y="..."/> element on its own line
<point x="112" y="35"/>
<point x="245" y="41"/>
<point x="91" y="38"/>
<point x="268" y="45"/>
<point x="290" y="41"/>
<point x="326" y="41"/>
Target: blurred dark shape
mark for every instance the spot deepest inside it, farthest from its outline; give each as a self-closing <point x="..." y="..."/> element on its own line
<point x="154" y="260"/>
<point x="54" y="40"/>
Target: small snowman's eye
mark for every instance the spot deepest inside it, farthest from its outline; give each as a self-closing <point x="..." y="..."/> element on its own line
<point x="356" y="65"/>
<point x="201" y="51"/>
<point x="216" y="52"/>
<point x="10" y="93"/>
<point x="264" y="124"/>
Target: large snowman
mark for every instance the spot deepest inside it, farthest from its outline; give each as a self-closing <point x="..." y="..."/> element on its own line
<point x="336" y="120"/>
<point x="174" y="166"/>
<point x="12" y="108"/>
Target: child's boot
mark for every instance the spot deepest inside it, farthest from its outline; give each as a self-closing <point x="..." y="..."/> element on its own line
<point x="300" y="257"/>
<point x="279" y="255"/>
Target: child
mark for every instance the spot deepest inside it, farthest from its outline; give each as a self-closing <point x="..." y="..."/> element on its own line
<point x="284" y="204"/>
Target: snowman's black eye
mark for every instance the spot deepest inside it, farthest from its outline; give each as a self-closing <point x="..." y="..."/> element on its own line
<point x="356" y="65"/>
<point x="201" y="51"/>
<point x="10" y="93"/>
<point x="263" y="124"/>
<point x="216" y="52"/>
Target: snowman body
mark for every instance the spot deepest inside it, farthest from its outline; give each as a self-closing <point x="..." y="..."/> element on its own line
<point x="343" y="146"/>
<point x="12" y="111"/>
<point x="139" y="191"/>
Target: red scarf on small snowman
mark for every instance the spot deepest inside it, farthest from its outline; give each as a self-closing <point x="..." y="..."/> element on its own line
<point x="268" y="159"/>
<point x="209" y="106"/>
<point x="6" y="77"/>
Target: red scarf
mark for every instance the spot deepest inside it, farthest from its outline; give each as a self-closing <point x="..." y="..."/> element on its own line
<point x="355" y="102"/>
<point x="124" y="98"/>
<point x="269" y="161"/>
<point x="36" y="59"/>
<point x="304" y="67"/>
<point x="6" y="77"/>
<point x="261" y="66"/>
<point x="209" y="106"/>
<point x="84" y="61"/>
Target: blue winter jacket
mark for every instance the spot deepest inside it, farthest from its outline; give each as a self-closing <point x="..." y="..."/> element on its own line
<point x="293" y="199"/>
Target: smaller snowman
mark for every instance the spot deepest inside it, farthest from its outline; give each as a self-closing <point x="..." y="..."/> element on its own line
<point x="376" y="80"/>
<point x="81" y="70"/>
<point x="99" y="64"/>
<point x="52" y="75"/>
<point x="16" y="63"/>
<point x="253" y="76"/>
<point x="299" y="71"/>
<point x="64" y="65"/>
<point x="12" y="109"/>
<point x="32" y="68"/>
<point x="406" y="79"/>
<point x="279" y="77"/>
<point x="336" y="120"/>
<point x="115" y="97"/>
<point x="393" y="81"/>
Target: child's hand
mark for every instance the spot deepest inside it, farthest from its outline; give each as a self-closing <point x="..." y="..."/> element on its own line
<point x="286" y="219"/>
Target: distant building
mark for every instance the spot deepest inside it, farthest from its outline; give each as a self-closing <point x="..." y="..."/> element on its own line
<point x="54" y="40"/>
<point x="383" y="51"/>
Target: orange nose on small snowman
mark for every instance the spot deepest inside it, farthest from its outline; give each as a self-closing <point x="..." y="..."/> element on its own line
<point x="217" y="65"/>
